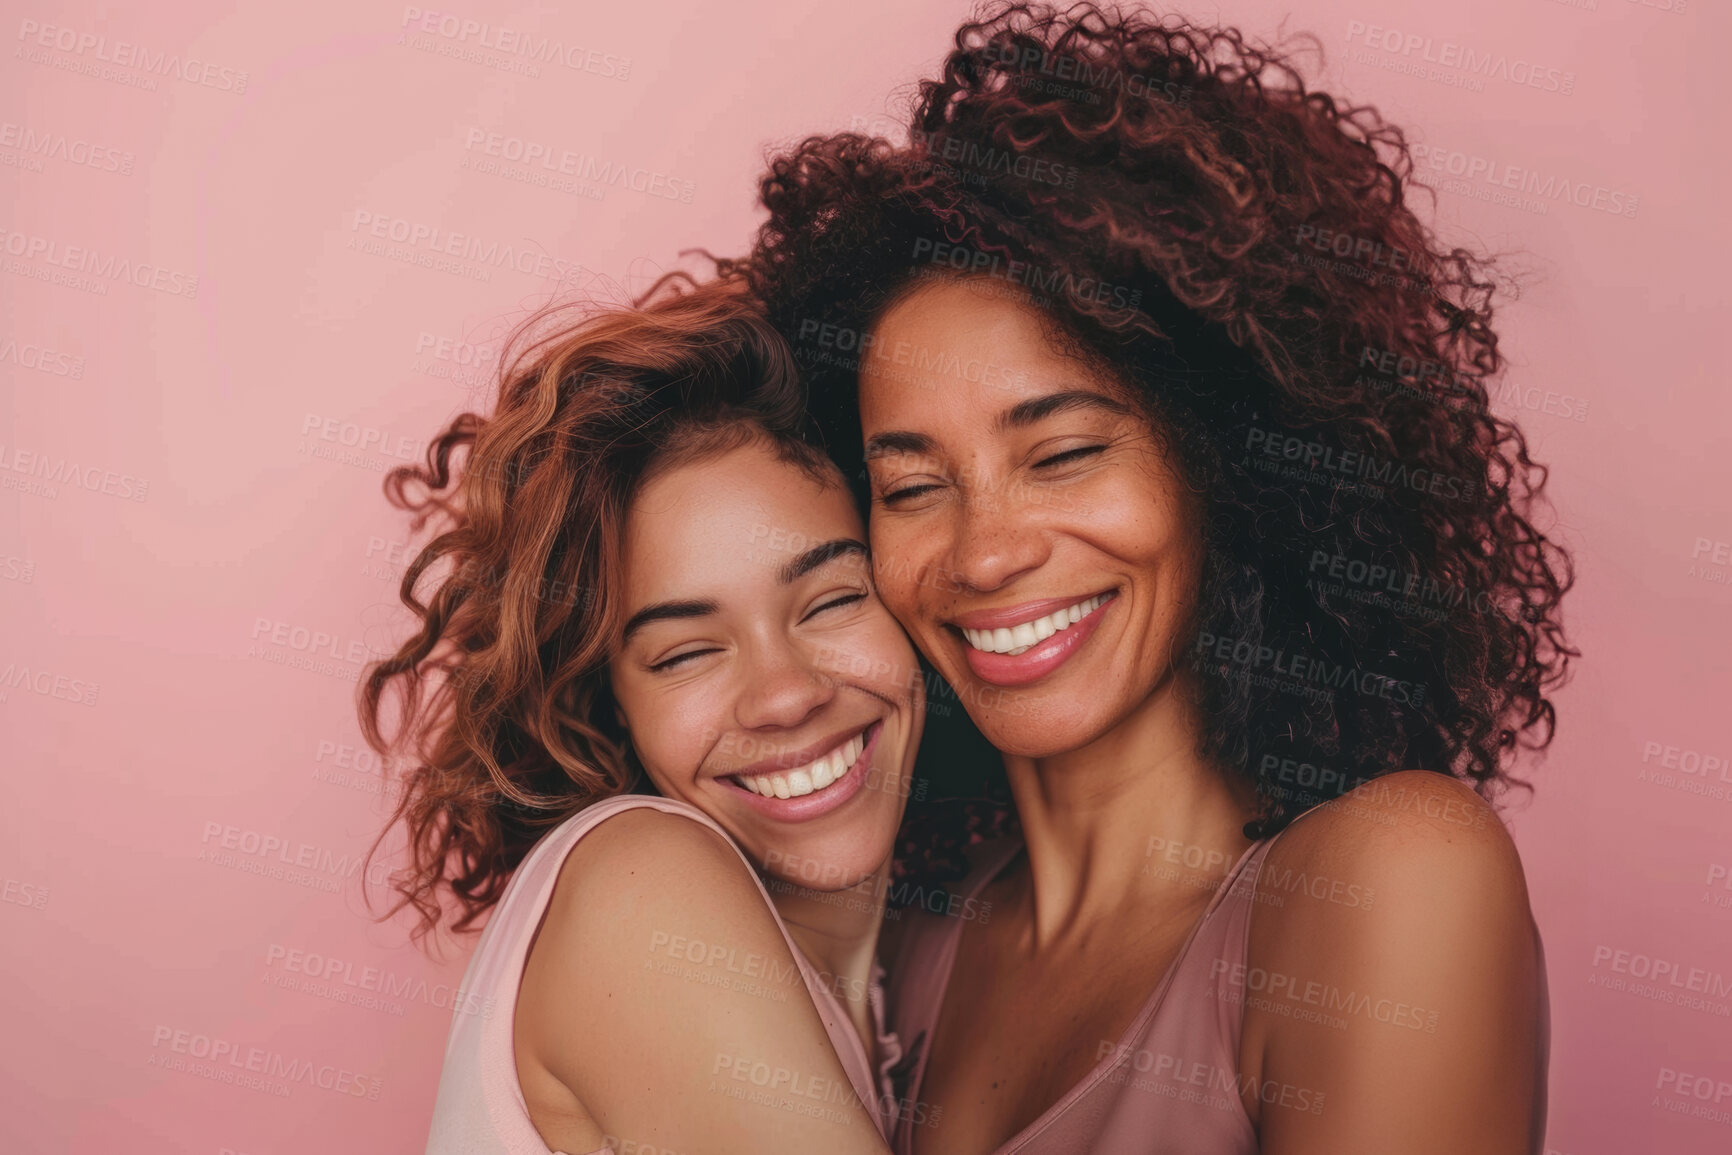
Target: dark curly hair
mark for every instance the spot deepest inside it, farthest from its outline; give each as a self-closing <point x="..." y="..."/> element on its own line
<point x="1243" y="252"/>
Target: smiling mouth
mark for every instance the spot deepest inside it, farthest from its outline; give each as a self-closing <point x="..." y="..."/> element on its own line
<point x="823" y="771"/>
<point x="1013" y="640"/>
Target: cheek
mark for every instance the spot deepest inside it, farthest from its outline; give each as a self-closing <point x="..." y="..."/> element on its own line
<point x="894" y="669"/>
<point x="1148" y="523"/>
<point x="874" y="655"/>
<point x="896" y="570"/>
<point x="669" y="733"/>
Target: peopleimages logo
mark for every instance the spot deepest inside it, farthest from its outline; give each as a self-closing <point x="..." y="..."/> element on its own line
<point x="27" y="355"/>
<point x="581" y="165"/>
<point x="1303" y="670"/>
<point x="25" y="894"/>
<point x="304" y="639"/>
<point x="84" y="259"/>
<point x="959" y="153"/>
<point x="1471" y="170"/>
<point x="123" y="54"/>
<point x="1037" y="279"/>
<point x="1711" y="1095"/>
<point x="515" y="42"/>
<point x="328" y="976"/>
<point x="227" y="1061"/>
<point x="274" y="856"/>
<point x="67" y="471"/>
<point x="59" y="146"/>
<point x="46" y="683"/>
<point x="1354" y="465"/>
<point x="1448" y="54"/>
<point x="430" y="241"/>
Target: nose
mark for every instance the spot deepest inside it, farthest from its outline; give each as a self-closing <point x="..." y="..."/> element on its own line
<point x="781" y="686"/>
<point x="993" y="540"/>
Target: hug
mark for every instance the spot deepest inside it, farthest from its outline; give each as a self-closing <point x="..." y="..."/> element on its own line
<point x="962" y="463"/>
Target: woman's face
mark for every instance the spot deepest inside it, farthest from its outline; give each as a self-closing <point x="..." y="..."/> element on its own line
<point x="760" y="678"/>
<point x="1027" y="527"/>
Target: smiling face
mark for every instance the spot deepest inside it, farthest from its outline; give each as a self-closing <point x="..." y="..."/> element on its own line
<point x="760" y="678"/>
<point x="1027" y="527"/>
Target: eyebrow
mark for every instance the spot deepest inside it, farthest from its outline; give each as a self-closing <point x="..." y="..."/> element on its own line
<point x="818" y="555"/>
<point x="1035" y="409"/>
<point x="790" y="573"/>
<point x="1018" y="416"/>
<point x="667" y="611"/>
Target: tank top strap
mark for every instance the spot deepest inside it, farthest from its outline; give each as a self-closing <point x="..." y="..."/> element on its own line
<point x="480" y="1105"/>
<point x="1200" y="1014"/>
<point x="924" y="934"/>
<point x="920" y="971"/>
<point x="1236" y="948"/>
<point x="1231" y="924"/>
<point x="1215" y="963"/>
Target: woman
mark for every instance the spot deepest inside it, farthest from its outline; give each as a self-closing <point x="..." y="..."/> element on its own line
<point x="650" y="575"/>
<point x="1133" y="456"/>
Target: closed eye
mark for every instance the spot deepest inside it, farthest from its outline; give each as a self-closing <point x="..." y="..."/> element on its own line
<point x="846" y="600"/>
<point x="1070" y="454"/>
<point x="677" y="659"/>
<point x="911" y="491"/>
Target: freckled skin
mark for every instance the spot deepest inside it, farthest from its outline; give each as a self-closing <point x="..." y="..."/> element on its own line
<point x="778" y="667"/>
<point x="1101" y="754"/>
<point x="1010" y="528"/>
<point x="771" y="666"/>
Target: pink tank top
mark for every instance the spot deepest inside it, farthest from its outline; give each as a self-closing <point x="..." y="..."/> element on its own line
<point x="480" y="1108"/>
<point x="1172" y="1084"/>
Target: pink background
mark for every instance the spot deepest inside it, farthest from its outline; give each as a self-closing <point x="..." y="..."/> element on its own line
<point x="161" y="692"/>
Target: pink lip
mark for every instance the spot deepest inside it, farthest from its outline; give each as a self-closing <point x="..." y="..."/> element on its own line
<point x="1039" y="660"/>
<point x="1017" y="614"/>
<point x="819" y="802"/>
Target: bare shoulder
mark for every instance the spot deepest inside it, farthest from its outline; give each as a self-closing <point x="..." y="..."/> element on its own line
<point x="1414" y="830"/>
<point x="659" y="981"/>
<point x="642" y="886"/>
<point x="1392" y="958"/>
<point x="645" y="855"/>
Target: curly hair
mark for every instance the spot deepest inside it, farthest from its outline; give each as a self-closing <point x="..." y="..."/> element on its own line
<point x="506" y="725"/>
<point x="1375" y="594"/>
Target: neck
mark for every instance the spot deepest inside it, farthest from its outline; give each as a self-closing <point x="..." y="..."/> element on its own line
<point x="837" y="931"/>
<point x="1134" y="820"/>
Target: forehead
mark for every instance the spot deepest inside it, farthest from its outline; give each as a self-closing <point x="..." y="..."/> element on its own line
<point x="964" y="348"/>
<point x="729" y="520"/>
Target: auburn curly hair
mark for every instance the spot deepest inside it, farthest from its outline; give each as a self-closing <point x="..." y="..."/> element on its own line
<point x="1174" y="198"/>
<point x="505" y="724"/>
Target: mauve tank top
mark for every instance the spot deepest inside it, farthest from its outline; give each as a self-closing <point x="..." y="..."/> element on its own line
<point x="480" y="1108"/>
<point x="1172" y="1085"/>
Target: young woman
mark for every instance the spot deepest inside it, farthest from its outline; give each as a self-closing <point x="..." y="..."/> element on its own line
<point x="662" y="670"/>
<point x="1220" y="546"/>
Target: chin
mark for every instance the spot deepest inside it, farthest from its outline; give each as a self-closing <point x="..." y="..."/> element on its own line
<point x="833" y="861"/>
<point x="1029" y="736"/>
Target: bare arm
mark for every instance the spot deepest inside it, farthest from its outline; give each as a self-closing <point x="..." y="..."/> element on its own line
<point x="662" y="1005"/>
<point x="1410" y="1002"/>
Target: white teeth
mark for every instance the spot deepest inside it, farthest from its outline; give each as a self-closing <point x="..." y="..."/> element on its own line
<point x="815" y="775"/>
<point x="1025" y="635"/>
<point x="833" y="765"/>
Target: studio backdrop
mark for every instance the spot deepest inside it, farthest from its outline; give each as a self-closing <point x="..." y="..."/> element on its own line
<point x="255" y="256"/>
